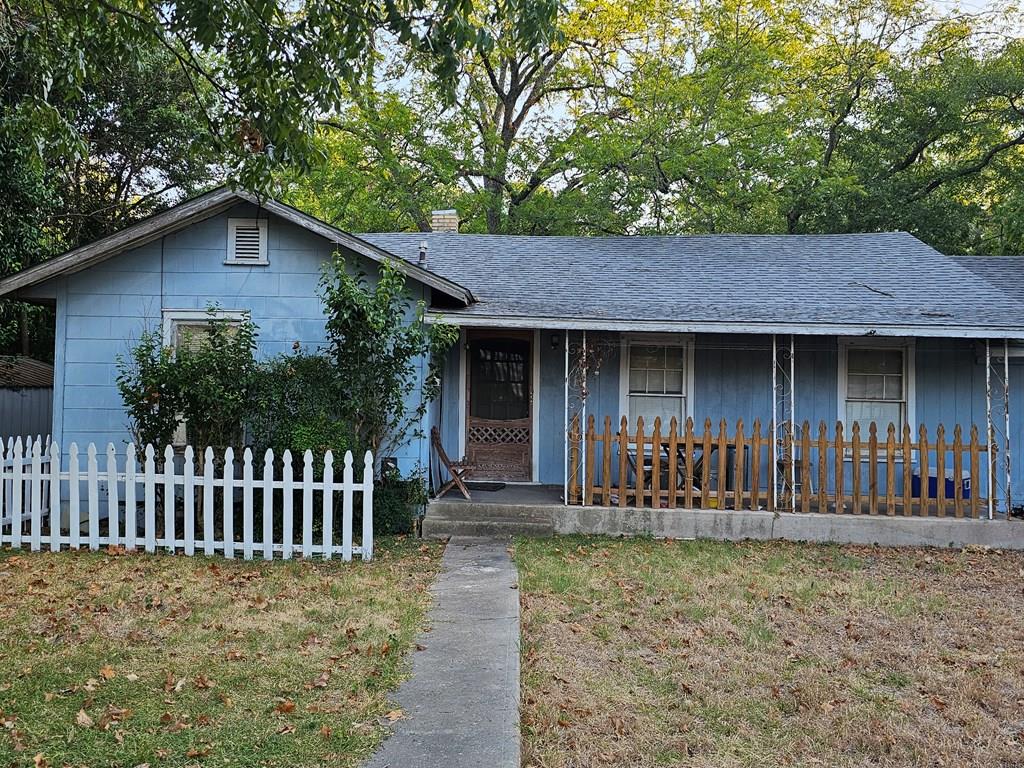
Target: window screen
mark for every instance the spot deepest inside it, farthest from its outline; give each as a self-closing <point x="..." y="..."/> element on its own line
<point x="500" y="379"/>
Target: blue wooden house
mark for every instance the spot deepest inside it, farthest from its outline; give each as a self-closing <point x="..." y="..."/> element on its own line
<point x="722" y="370"/>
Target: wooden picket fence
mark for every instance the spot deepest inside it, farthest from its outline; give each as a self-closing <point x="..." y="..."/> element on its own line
<point x="809" y="471"/>
<point x="223" y="508"/>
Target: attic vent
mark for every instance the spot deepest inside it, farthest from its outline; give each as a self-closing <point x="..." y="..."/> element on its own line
<point x="247" y="241"/>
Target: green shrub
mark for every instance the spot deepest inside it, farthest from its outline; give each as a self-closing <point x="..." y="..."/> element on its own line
<point x="396" y="502"/>
<point x="206" y="382"/>
<point x="298" y="406"/>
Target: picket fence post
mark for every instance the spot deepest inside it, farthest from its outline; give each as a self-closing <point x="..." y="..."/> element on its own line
<point x="247" y="504"/>
<point x="54" y="496"/>
<point x="113" y="507"/>
<point x="307" y="503"/>
<point x="229" y="502"/>
<point x="286" y="506"/>
<point x="346" y="508"/>
<point x="268" y="505"/>
<point x="130" y="506"/>
<point x="367" y="543"/>
<point x="328" y="505"/>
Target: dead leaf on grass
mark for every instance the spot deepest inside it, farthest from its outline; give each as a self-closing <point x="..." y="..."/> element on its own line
<point x="83" y="719"/>
<point x="284" y="706"/>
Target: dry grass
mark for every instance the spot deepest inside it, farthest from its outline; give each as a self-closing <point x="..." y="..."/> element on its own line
<point x="127" y="660"/>
<point x="644" y="653"/>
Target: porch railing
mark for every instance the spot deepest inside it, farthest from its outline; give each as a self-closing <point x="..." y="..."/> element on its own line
<point x="873" y="471"/>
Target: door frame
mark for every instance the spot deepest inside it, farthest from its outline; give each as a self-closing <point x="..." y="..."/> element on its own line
<point x="534" y="400"/>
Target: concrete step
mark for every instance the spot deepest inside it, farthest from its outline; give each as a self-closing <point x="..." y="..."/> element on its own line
<point x="445" y="519"/>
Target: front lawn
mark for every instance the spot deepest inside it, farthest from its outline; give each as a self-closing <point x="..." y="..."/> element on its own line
<point x="647" y="653"/>
<point x="128" y="660"/>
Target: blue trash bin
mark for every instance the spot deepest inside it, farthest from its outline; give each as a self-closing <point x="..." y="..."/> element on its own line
<point x="933" y="483"/>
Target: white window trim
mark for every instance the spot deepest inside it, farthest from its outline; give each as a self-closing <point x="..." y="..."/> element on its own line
<point x="686" y="341"/>
<point x="171" y="317"/>
<point x="909" y="348"/>
<point x="263" y="260"/>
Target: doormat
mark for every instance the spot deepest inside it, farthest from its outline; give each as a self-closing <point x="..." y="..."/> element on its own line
<point x="480" y="485"/>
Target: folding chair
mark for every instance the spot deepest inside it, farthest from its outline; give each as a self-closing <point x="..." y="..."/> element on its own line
<point x="459" y="470"/>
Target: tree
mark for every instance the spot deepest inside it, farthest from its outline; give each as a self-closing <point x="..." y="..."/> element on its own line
<point x="144" y="146"/>
<point x="275" y="66"/>
<point x="377" y="339"/>
<point x="736" y="116"/>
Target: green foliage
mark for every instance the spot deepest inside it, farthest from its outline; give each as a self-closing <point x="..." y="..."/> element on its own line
<point x="396" y="502"/>
<point x="149" y="386"/>
<point x="737" y="116"/>
<point x="274" y="66"/>
<point x="207" y="382"/>
<point x="297" y="407"/>
<point x="376" y="338"/>
<point x="216" y="371"/>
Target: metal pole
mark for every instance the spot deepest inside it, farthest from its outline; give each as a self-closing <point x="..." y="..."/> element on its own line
<point x="989" y="436"/>
<point x="583" y="417"/>
<point x="792" y="424"/>
<point x="565" y="427"/>
<point x="775" y="423"/>
<point x="1006" y="422"/>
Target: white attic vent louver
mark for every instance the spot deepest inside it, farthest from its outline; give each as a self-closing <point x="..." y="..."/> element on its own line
<point x="247" y="241"/>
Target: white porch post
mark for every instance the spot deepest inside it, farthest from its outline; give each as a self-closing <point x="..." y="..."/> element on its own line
<point x="565" y="426"/>
<point x="989" y="432"/>
<point x="1006" y="422"/>
<point x="792" y="424"/>
<point x="775" y="423"/>
<point x="583" y="415"/>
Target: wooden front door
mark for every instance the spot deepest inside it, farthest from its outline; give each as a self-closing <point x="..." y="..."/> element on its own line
<point x="499" y="412"/>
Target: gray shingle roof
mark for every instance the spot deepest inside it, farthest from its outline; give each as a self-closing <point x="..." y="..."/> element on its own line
<point x="856" y="283"/>
<point x="1003" y="272"/>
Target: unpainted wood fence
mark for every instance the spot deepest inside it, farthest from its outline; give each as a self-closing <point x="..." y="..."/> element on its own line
<point x="869" y="471"/>
<point x="214" y="506"/>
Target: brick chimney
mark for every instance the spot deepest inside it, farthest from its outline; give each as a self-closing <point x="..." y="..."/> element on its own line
<point x="444" y="221"/>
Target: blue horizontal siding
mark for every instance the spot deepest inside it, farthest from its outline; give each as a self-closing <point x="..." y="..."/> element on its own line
<point x="104" y="309"/>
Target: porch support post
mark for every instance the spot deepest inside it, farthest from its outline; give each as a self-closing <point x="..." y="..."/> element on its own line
<point x="583" y="415"/>
<point x="565" y="426"/>
<point x="1006" y="423"/>
<point x="775" y="423"/>
<point x="989" y="431"/>
<point x="792" y="424"/>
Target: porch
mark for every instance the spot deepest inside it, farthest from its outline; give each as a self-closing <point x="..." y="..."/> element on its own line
<point x="737" y="422"/>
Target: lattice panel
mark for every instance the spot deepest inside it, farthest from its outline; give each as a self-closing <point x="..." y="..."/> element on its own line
<point x="499" y="435"/>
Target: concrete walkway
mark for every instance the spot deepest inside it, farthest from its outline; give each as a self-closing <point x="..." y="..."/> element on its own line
<point x="461" y="704"/>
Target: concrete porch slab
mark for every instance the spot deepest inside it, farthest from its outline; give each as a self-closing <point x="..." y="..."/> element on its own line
<point x="726" y="525"/>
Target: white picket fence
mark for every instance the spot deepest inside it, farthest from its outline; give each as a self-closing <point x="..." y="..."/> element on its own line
<point x="118" y="504"/>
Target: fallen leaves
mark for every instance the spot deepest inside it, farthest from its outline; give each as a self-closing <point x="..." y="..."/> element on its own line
<point x="83" y="719"/>
<point x="284" y="706"/>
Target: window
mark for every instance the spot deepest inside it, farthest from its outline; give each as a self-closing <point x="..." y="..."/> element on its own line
<point x="657" y="380"/>
<point x="247" y="242"/>
<point x="876" y="385"/>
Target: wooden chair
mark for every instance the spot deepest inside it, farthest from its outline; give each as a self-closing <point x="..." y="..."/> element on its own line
<point x="459" y="470"/>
